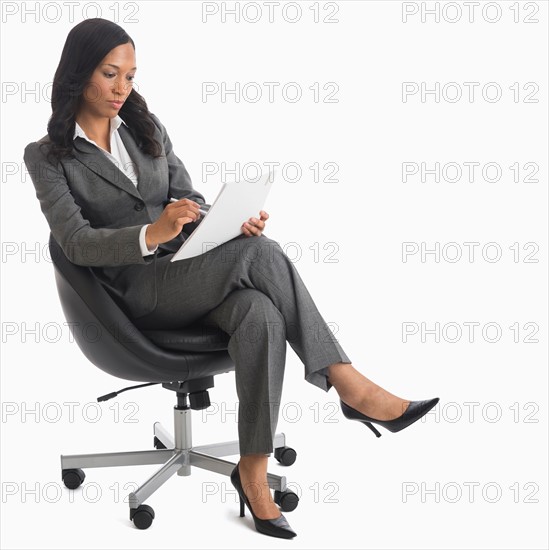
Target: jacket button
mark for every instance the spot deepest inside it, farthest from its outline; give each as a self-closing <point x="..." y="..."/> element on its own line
<point x="139" y="205"/>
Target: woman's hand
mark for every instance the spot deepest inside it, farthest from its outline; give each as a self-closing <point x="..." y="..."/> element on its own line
<point x="255" y="226"/>
<point x="171" y="221"/>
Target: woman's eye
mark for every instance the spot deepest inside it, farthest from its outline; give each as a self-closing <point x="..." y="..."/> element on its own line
<point x="110" y="75"/>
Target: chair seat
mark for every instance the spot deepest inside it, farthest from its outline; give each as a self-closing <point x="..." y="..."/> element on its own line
<point x="123" y="350"/>
<point x="196" y="338"/>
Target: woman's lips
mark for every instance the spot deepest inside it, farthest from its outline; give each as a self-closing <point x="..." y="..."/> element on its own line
<point x="117" y="104"/>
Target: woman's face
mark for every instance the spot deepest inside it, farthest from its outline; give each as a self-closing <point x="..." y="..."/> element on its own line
<point x="111" y="83"/>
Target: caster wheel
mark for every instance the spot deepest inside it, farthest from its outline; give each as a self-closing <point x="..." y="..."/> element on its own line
<point x="287" y="500"/>
<point x="73" y="478"/>
<point x="285" y="455"/>
<point x="158" y="444"/>
<point x="142" y="516"/>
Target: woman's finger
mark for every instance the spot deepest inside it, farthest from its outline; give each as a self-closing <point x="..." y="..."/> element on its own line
<point x="257" y="223"/>
<point x="247" y="229"/>
<point x="252" y="229"/>
<point x="254" y="226"/>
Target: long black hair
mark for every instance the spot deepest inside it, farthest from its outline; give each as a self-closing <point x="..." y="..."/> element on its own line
<point x="86" y="46"/>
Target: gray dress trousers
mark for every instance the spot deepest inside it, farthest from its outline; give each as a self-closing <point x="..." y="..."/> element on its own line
<point x="248" y="288"/>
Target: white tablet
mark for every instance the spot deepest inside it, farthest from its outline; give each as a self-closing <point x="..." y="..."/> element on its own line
<point x="236" y="203"/>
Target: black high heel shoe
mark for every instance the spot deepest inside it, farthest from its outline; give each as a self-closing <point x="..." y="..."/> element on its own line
<point x="277" y="527"/>
<point x="415" y="410"/>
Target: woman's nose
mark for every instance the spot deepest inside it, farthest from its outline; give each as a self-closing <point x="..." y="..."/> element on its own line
<point x="119" y="87"/>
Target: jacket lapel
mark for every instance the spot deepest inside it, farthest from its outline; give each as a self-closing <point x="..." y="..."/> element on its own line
<point x="89" y="155"/>
<point x="143" y="162"/>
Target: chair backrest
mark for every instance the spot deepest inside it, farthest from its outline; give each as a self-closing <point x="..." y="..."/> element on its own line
<point x="109" y="339"/>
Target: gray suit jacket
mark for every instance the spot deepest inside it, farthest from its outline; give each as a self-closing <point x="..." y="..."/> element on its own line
<point x="95" y="212"/>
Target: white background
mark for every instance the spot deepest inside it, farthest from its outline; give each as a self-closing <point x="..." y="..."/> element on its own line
<point x="367" y="294"/>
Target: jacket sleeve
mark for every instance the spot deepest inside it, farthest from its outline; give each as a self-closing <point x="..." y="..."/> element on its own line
<point x="180" y="186"/>
<point x="81" y="243"/>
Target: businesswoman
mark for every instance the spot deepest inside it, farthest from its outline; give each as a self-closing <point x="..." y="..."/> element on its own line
<point x="104" y="175"/>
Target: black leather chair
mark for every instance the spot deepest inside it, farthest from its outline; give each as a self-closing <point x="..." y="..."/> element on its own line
<point x="184" y="361"/>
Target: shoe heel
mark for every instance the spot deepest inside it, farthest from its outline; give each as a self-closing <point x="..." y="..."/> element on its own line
<point x="241" y="506"/>
<point x="369" y="424"/>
